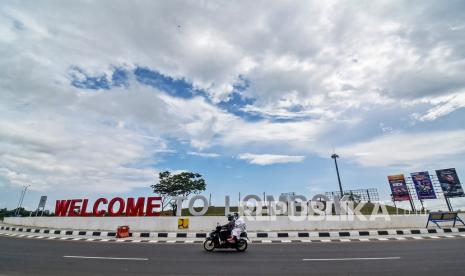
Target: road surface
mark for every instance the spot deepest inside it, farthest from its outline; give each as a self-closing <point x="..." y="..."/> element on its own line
<point x="20" y="256"/>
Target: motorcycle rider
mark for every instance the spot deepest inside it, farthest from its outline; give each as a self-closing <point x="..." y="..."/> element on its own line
<point x="229" y="226"/>
<point x="239" y="227"/>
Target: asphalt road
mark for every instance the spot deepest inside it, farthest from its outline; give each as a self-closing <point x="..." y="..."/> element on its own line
<point x="19" y="256"/>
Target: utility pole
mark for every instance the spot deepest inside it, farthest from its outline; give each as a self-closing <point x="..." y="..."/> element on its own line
<point x="335" y="156"/>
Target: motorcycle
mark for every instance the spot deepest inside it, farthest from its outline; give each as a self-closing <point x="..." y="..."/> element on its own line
<point x="219" y="239"/>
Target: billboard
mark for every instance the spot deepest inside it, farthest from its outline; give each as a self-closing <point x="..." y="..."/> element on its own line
<point x="450" y="183"/>
<point x="423" y="185"/>
<point x="43" y="200"/>
<point x="398" y="187"/>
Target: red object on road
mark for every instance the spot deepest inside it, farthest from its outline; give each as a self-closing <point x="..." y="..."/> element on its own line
<point x="122" y="231"/>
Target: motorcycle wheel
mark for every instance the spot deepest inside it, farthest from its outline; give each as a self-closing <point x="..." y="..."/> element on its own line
<point x="241" y="245"/>
<point x="209" y="245"/>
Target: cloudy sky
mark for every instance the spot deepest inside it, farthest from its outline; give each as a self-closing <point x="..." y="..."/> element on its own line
<point x="96" y="97"/>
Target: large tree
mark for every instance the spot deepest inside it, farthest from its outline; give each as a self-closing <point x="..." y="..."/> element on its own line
<point x="181" y="184"/>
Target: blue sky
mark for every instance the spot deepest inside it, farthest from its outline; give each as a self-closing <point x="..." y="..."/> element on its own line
<point x="97" y="105"/>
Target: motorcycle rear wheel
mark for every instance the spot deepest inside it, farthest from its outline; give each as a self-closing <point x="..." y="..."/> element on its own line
<point x="209" y="245"/>
<point x="241" y="245"/>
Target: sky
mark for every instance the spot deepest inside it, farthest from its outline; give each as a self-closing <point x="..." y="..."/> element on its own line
<point x="98" y="97"/>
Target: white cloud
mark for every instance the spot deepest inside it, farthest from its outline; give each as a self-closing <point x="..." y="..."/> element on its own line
<point x="204" y="154"/>
<point x="269" y="159"/>
<point x="443" y="106"/>
<point x="434" y="148"/>
<point x="66" y="154"/>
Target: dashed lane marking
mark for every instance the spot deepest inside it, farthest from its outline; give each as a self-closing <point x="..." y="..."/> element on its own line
<point x="106" y="258"/>
<point x="353" y="259"/>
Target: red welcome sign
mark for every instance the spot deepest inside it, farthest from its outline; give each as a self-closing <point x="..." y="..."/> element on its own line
<point x="115" y="207"/>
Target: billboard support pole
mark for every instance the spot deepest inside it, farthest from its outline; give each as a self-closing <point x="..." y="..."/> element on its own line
<point x="410" y="198"/>
<point x="411" y="204"/>
<point x="422" y="206"/>
<point x="449" y="206"/>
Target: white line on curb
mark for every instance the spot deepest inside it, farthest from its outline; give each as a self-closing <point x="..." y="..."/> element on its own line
<point x="353" y="259"/>
<point x="107" y="258"/>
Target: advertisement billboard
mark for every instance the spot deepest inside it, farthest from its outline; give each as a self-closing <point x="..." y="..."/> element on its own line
<point x="398" y="187"/>
<point x="423" y="185"/>
<point x="450" y="183"/>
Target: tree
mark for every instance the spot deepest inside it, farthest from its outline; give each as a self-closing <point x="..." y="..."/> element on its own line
<point x="173" y="185"/>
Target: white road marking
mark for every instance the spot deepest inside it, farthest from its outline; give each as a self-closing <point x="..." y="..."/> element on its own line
<point x="266" y="241"/>
<point x="76" y="239"/>
<point x="345" y="240"/>
<point x="364" y="240"/>
<point x="400" y="238"/>
<point x="417" y="238"/>
<point x="105" y="240"/>
<point x="353" y="259"/>
<point x="434" y="237"/>
<point x="153" y="241"/>
<point x="325" y="240"/>
<point x="285" y="241"/>
<point x="107" y="258"/>
<point x="306" y="240"/>
<point x="136" y="241"/>
<point x="449" y="236"/>
<point x="383" y="239"/>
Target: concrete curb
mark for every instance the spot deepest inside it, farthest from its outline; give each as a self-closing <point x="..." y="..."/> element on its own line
<point x="255" y="237"/>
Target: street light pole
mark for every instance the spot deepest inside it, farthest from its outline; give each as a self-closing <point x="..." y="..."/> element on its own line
<point x="20" y="203"/>
<point x="335" y="156"/>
